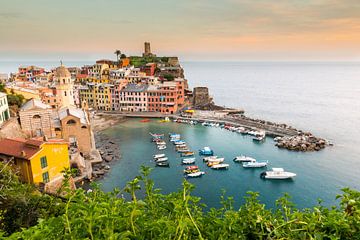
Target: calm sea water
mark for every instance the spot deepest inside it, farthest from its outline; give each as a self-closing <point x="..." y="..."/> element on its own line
<point x="323" y="98"/>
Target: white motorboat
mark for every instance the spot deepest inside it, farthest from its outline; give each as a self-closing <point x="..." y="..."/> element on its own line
<point x="163" y="159"/>
<point x="161" y="147"/>
<point x="277" y="173"/>
<point x="195" y="174"/>
<point x="188" y="161"/>
<point x="159" y="155"/>
<point x="255" y="164"/>
<point x="243" y="158"/>
<point x="179" y="142"/>
<point x="205" y="159"/>
<point x="183" y="150"/>
<point x="161" y="143"/>
<point x="220" y="166"/>
<point x="220" y="160"/>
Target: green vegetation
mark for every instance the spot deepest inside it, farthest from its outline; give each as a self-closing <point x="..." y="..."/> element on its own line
<point x="169" y="77"/>
<point x="138" y="61"/>
<point x="12" y="98"/>
<point x="99" y="215"/>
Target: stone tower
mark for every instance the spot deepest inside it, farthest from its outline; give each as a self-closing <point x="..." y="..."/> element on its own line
<point x="64" y="86"/>
<point x="147" y="50"/>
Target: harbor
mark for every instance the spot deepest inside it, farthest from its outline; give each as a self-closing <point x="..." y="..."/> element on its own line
<point x="138" y="149"/>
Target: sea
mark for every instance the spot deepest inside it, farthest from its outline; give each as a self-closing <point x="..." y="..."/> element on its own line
<point x="320" y="97"/>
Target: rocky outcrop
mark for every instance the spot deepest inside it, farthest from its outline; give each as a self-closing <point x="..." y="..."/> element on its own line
<point x="304" y="142"/>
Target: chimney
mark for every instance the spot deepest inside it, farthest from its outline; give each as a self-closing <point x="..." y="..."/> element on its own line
<point x="23" y="153"/>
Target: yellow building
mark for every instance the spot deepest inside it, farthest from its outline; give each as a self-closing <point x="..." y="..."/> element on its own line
<point x="97" y="96"/>
<point x="36" y="160"/>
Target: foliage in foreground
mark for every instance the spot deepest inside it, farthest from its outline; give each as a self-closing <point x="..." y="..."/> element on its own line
<point x="99" y="215"/>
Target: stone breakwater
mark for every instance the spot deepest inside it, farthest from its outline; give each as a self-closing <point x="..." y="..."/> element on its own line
<point x="304" y="142"/>
<point x="286" y="136"/>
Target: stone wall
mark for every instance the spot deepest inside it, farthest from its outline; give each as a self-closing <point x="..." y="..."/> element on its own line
<point x="201" y="97"/>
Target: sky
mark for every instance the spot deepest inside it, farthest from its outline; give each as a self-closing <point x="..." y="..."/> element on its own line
<point x="254" y="30"/>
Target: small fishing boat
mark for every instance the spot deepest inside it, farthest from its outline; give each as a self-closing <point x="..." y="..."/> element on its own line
<point x="160" y="143"/>
<point x="209" y="164"/>
<point x="187" y="154"/>
<point x="163" y="164"/>
<point x="156" y="135"/>
<point x="161" y="147"/>
<point x="216" y="160"/>
<point x="259" y="139"/>
<point x="184" y="150"/>
<point x="188" y="161"/>
<point x="277" y="173"/>
<point x="191" y="169"/>
<point x="145" y="120"/>
<point x="166" y="119"/>
<point x="205" y="159"/>
<point x="159" y="155"/>
<point x="220" y="166"/>
<point x="196" y="174"/>
<point x="179" y="142"/>
<point x="243" y="158"/>
<point x="255" y="164"/>
<point x="181" y="146"/>
<point x="164" y="159"/>
<point x="206" y="151"/>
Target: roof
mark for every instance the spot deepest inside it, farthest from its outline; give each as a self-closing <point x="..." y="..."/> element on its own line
<point x="76" y="112"/>
<point x="135" y="88"/>
<point x="20" y="148"/>
<point x="34" y="103"/>
<point x="2" y="94"/>
<point x="62" y="72"/>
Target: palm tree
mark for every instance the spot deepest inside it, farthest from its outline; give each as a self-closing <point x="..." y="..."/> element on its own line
<point x="117" y="53"/>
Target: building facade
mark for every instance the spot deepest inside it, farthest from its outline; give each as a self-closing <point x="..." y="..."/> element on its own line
<point x="4" y="108"/>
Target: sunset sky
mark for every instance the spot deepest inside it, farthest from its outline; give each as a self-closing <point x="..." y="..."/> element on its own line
<point x="191" y="29"/>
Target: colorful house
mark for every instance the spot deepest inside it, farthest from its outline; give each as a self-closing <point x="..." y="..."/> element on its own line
<point x="37" y="161"/>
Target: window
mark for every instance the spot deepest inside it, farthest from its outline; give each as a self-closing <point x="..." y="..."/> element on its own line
<point x="45" y="177"/>
<point x="71" y="122"/>
<point x="43" y="162"/>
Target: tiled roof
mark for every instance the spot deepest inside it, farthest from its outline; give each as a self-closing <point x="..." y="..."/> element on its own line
<point x="135" y="88"/>
<point x="19" y="148"/>
<point x="34" y="103"/>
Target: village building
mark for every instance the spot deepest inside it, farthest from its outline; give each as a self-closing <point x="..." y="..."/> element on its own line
<point x="36" y="119"/>
<point x="64" y="86"/>
<point x="133" y="98"/>
<point x="4" y="108"/>
<point x="37" y="161"/>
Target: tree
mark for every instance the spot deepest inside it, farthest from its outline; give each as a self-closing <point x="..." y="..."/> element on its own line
<point x="122" y="56"/>
<point x="2" y="87"/>
<point x="15" y="99"/>
<point x="117" y="53"/>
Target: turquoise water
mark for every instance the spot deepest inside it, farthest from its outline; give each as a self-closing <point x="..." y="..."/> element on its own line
<point x="323" y="98"/>
<point x="137" y="149"/>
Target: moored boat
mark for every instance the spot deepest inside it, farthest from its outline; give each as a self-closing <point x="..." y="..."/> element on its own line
<point x="259" y="138"/>
<point x="206" y="151"/>
<point x="196" y="174"/>
<point x="163" y="164"/>
<point x="277" y="173"/>
<point x="188" y="161"/>
<point x="161" y="147"/>
<point x="205" y="159"/>
<point x="159" y="155"/>
<point x="163" y="159"/>
<point x="191" y="169"/>
<point x="187" y="154"/>
<point x="216" y="160"/>
<point x="220" y="166"/>
<point x="184" y="150"/>
<point x="243" y="158"/>
<point x="255" y="164"/>
<point x="179" y="142"/>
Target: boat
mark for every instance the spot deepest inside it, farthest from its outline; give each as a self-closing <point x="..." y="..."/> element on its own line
<point x="156" y="135"/>
<point x="216" y="160"/>
<point x="163" y="164"/>
<point x="243" y="158"/>
<point x="191" y="169"/>
<point x="277" y="173"/>
<point x="164" y="159"/>
<point x="160" y="155"/>
<point x="145" y="120"/>
<point x="259" y="138"/>
<point x="181" y="146"/>
<point x="160" y="143"/>
<point x="179" y="142"/>
<point x="173" y="135"/>
<point x="166" y="119"/>
<point x="188" y="161"/>
<point x="205" y="159"/>
<point x="255" y="164"/>
<point x="220" y="166"/>
<point x="195" y="174"/>
<point x="206" y="151"/>
<point x="161" y="147"/>
<point x="209" y="164"/>
<point x="187" y="154"/>
<point x="185" y="150"/>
